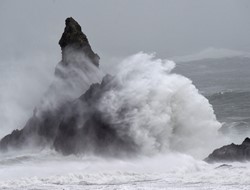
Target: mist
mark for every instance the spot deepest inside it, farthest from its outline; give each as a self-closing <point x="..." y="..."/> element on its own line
<point x="22" y="83"/>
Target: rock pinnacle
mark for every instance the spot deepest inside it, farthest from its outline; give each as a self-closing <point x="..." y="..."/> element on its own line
<point x="74" y="38"/>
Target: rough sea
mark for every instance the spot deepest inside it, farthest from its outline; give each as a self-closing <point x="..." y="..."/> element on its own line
<point x="223" y="83"/>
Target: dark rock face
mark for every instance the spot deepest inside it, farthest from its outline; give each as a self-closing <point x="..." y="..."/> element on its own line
<point x="76" y="127"/>
<point x="85" y="130"/>
<point x="72" y="126"/>
<point x="38" y="131"/>
<point x="231" y="153"/>
<point x="75" y="46"/>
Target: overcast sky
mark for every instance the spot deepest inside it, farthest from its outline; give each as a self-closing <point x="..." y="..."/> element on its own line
<point x="118" y="28"/>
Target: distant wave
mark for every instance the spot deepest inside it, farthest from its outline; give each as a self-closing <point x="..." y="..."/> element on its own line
<point x="211" y="53"/>
<point x="230" y="95"/>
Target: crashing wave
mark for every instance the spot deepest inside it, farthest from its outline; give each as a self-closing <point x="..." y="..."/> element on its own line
<point x="143" y="109"/>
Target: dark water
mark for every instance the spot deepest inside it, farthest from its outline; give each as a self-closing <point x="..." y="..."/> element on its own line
<point x="233" y="110"/>
<point x="226" y="84"/>
<point x="231" y="105"/>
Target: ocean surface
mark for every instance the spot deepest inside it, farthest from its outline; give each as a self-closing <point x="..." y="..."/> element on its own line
<point x="226" y="85"/>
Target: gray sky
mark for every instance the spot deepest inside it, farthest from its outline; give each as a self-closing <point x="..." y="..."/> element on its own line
<point x="118" y="28"/>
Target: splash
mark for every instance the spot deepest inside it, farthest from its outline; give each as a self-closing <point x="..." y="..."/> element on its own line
<point x="158" y="110"/>
<point x="73" y="76"/>
<point x="144" y="109"/>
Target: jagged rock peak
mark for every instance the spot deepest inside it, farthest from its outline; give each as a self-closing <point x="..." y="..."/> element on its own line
<point x="72" y="34"/>
<point x="246" y="141"/>
<point x="57" y="123"/>
<point x="73" y="37"/>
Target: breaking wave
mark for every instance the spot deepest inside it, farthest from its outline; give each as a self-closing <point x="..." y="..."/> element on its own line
<point x="159" y="110"/>
<point x="144" y="108"/>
